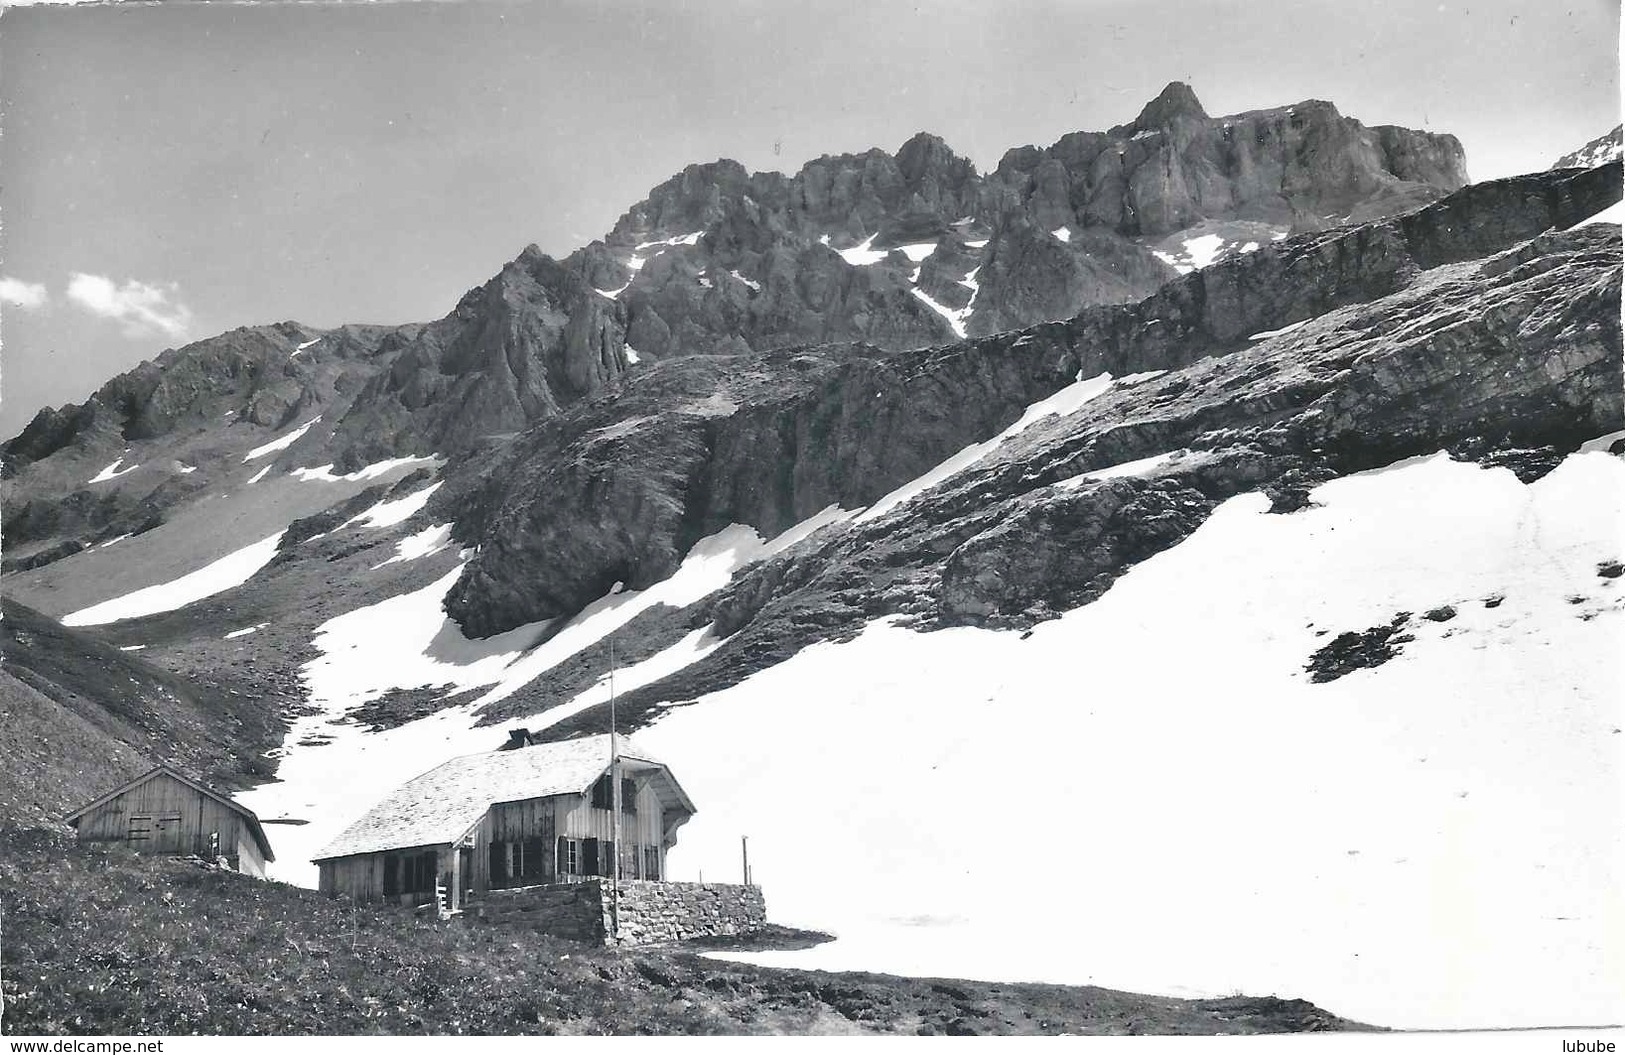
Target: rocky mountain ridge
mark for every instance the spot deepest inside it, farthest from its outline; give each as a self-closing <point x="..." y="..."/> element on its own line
<point x="900" y="251"/>
<point x="843" y="426"/>
<point x="1600" y="151"/>
<point x="1352" y="486"/>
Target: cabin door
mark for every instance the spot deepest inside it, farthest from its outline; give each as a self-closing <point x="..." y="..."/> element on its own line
<point x="465" y="873"/>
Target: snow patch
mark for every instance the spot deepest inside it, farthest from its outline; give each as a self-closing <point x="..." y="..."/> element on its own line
<point x="1067" y="400"/>
<point x="302" y="347"/>
<point x="861" y="255"/>
<point x="425" y="543"/>
<point x="393" y="511"/>
<point x="1614" y="214"/>
<point x="692" y="648"/>
<point x="756" y="287"/>
<point x="112" y="541"/>
<point x="1601" y="443"/>
<point x="245" y="631"/>
<point x="956" y="320"/>
<point x="324" y="473"/>
<point x="233" y="569"/>
<point x="1138" y="467"/>
<point x="1264" y="335"/>
<point x="257" y="477"/>
<point x="281" y="442"/>
<point x="112" y="472"/>
<point x="632" y="356"/>
<point x="978" y="244"/>
<point x="918" y="252"/>
<point x="131" y="648"/>
<point x="1204" y="250"/>
<point x="1063" y="233"/>
<point x="682" y="239"/>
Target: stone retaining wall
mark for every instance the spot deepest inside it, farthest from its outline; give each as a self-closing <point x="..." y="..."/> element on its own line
<point x="650" y="912"/>
<point x="661" y="912"/>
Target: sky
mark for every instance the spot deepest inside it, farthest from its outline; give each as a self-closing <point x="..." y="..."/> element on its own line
<point x="171" y="171"/>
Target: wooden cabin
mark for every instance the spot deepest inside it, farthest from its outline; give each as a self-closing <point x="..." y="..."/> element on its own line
<point x="527" y="815"/>
<point x="166" y="812"/>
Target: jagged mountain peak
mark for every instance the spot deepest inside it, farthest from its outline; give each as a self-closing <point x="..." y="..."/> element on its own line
<point x="927" y="153"/>
<point x="1177" y="100"/>
<point x="1600" y="151"/>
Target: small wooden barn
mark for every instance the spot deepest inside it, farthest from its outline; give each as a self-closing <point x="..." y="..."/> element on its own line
<point x="527" y="815"/>
<point x="166" y="812"/>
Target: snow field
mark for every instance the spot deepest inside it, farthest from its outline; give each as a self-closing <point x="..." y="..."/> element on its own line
<point x="1149" y="794"/>
<point x="233" y="569"/>
<point x="408" y="642"/>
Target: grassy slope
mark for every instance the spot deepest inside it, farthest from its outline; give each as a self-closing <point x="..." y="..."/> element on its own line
<point x="97" y="940"/>
<point x="52" y="758"/>
<point x="87" y="716"/>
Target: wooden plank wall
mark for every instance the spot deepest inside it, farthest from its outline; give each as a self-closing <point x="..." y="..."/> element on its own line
<point x="572" y="816"/>
<point x="175" y="818"/>
<point x="361" y="876"/>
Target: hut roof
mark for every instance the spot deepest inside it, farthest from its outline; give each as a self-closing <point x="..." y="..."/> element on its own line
<point x="442" y="805"/>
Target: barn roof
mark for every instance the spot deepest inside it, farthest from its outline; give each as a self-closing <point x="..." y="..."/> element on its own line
<point x="247" y="814"/>
<point x="440" y="806"/>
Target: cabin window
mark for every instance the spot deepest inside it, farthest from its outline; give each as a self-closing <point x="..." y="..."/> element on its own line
<point x="651" y="862"/>
<point x="603" y="797"/>
<point x="140" y="827"/>
<point x="570" y="858"/>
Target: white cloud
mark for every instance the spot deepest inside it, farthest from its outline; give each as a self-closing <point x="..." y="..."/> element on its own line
<point x="16" y="293"/>
<point x="144" y="309"/>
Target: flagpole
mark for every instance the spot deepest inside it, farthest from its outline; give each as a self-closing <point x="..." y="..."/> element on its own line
<point x="614" y="803"/>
